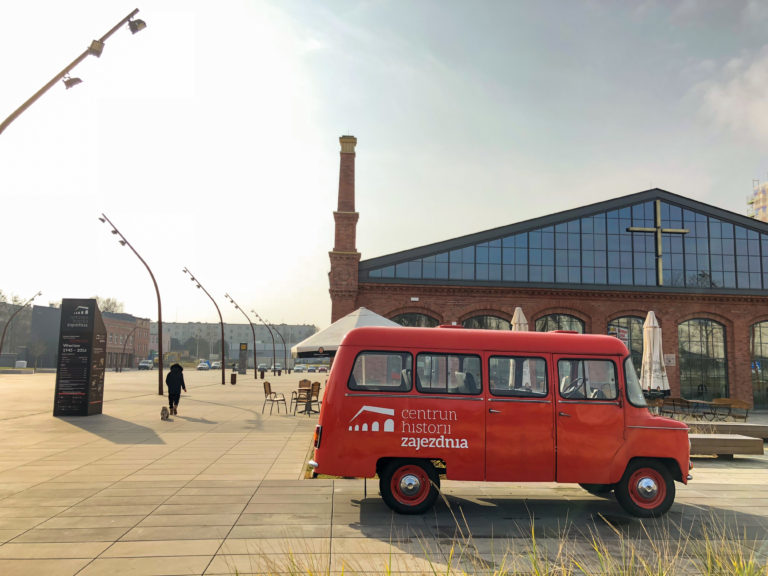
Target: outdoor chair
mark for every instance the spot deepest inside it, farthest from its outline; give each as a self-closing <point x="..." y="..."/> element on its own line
<point x="302" y="395"/>
<point x="273" y="398"/>
<point x="739" y="409"/>
<point x="314" y="396"/>
<point x="675" y="407"/>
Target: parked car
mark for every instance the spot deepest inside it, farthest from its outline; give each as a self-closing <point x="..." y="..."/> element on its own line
<point x="277" y="367"/>
<point x="216" y="365"/>
<point x="300" y="368"/>
<point x="323" y="369"/>
<point x="262" y="368"/>
<point x="312" y="369"/>
<point x="146" y="365"/>
<point x="203" y="366"/>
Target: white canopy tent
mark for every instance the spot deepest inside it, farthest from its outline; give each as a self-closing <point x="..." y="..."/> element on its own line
<point x="326" y="342"/>
<point x="653" y="374"/>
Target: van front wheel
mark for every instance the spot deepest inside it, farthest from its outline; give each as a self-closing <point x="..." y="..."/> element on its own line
<point x="647" y="489"/>
<point x="409" y="486"/>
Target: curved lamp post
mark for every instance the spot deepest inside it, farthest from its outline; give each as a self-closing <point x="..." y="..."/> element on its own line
<point x="221" y="320"/>
<point x="95" y="49"/>
<point x="271" y="327"/>
<point x="5" y="328"/>
<point x="253" y="331"/>
<point x="274" y="355"/>
<point x="124" y="242"/>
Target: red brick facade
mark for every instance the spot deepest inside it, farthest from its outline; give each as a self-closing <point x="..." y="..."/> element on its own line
<point x="450" y="303"/>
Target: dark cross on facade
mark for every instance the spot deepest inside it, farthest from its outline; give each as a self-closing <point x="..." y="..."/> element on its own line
<point x="658" y="231"/>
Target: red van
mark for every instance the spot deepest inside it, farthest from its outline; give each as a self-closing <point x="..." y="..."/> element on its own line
<point x="410" y="404"/>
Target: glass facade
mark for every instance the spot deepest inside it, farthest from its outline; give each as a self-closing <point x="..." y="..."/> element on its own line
<point x="559" y="322"/>
<point x="758" y="346"/>
<point x="630" y="330"/>
<point x="697" y="251"/>
<point x="703" y="365"/>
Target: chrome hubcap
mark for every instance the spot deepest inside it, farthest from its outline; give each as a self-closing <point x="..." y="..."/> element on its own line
<point x="410" y="485"/>
<point x="647" y="488"/>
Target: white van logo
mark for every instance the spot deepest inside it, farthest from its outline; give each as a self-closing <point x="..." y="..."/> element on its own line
<point x="369" y="418"/>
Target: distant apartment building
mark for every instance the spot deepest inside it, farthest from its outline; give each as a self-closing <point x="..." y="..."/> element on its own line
<point x="758" y="202"/>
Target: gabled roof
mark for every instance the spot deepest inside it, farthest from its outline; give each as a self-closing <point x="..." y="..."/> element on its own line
<point x="559" y="217"/>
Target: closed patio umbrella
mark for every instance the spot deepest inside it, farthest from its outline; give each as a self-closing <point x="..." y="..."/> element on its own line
<point x="653" y="374"/>
<point x="519" y="322"/>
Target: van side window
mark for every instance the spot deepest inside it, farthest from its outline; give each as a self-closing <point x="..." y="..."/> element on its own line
<point x="448" y="374"/>
<point x="587" y="379"/>
<point x="517" y="376"/>
<point x="381" y="371"/>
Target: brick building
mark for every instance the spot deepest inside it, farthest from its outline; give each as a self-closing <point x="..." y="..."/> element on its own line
<point x="127" y="339"/>
<point x="595" y="269"/>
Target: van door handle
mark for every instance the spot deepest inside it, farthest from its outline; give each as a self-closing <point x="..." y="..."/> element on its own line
<point x="492" y="411"/>
<point x="564" y="414"/>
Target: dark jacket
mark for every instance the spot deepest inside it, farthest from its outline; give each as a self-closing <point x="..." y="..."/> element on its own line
<point x="175" y="380"/>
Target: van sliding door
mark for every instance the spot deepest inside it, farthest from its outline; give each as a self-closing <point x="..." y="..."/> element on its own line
<point x="520" y="443"/>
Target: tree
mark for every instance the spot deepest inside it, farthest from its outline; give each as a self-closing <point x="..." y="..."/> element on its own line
<point x="109" y="305"/>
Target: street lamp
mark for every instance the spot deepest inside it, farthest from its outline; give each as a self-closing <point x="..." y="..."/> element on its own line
<point x="253" y="331"/>
<point x="95" y="49"/>
<point x="5" y="328"/>
<point x="221" y="321"/>
<point x="285" y="359"/>
<point x="124" y="242"/>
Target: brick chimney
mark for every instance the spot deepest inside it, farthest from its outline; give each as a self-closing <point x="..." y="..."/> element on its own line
<point x="344" y="256"/>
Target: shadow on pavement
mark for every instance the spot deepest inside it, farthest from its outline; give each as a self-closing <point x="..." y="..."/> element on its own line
<point x="114" y="429"/>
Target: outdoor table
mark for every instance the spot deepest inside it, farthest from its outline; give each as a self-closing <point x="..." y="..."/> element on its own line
<point x="702" y="409"/>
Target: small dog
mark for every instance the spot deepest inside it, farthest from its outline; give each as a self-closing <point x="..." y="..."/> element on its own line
<point x="164" y="413"/>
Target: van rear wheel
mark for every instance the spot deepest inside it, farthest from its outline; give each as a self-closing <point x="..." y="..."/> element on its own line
<point x="409" y="486"/>
<point x="647" y="489"/>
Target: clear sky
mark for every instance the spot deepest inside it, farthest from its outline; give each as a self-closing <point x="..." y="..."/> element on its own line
<point x="211" y="138"/>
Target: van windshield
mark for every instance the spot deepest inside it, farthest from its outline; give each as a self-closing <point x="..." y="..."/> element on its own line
<point x="634" y="390"/>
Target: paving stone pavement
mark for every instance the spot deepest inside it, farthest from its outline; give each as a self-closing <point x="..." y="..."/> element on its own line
<point x="220" y="489"/>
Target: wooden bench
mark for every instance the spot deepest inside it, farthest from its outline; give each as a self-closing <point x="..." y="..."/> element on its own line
<point x="742" y="428"/>
<point x="724" y="444"/>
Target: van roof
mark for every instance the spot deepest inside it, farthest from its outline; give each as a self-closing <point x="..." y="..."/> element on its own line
<point x="455" y="338"/>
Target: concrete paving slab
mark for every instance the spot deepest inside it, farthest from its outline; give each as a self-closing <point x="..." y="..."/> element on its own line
<point x="226" y="485"/>
<point x="157" y="548"/>
<point x="49" y="567"/>
<point x="44" y="550"/>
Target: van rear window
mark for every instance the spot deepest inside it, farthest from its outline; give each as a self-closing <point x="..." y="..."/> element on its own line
<point x="448" y="374"/>
<point x="517" y="376"/>
<point x="381" y="371"/>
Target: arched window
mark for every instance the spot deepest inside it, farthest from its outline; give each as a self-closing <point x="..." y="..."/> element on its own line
<point x="559" y="322"/>
<point x="415" y="320"/>
<point x="487" y="323"/>
<point x="758" y="347"/>
<point x="629" y="329"/>
<point x="703" y="365"/>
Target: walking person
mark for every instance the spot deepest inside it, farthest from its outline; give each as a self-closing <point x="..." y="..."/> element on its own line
<point x="175" y="383"/>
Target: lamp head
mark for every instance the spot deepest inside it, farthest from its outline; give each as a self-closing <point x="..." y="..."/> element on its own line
<point x="136" y="25"/>
<point x="122" y="242"/>
<point x="70" y="82"/>
<point x="102" y="220"/>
